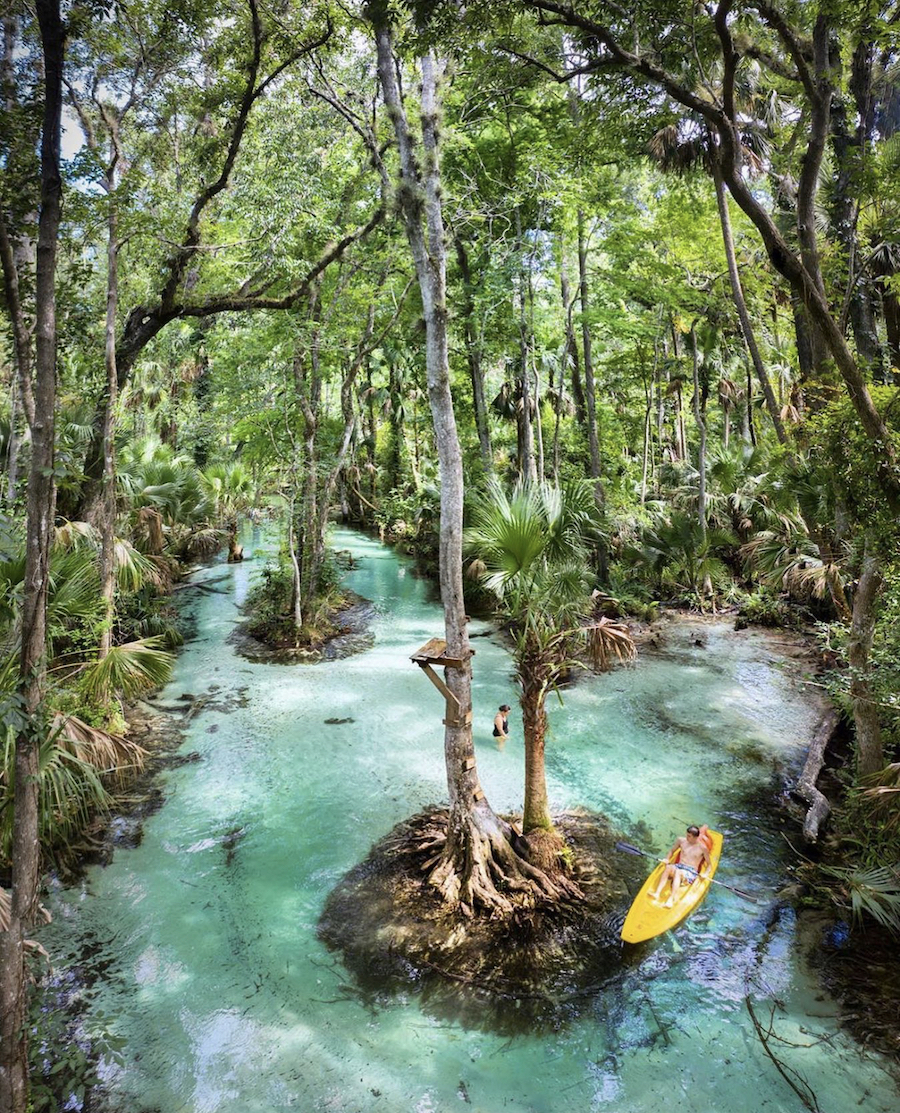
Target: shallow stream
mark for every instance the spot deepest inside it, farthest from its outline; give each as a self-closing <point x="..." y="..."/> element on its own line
<point x="199" y="946"/>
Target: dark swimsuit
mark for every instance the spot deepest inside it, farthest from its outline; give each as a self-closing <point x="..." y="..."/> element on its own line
<point x="499" y="733"/>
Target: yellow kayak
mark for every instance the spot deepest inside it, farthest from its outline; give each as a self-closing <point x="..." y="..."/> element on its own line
<point x="649" y="917"/>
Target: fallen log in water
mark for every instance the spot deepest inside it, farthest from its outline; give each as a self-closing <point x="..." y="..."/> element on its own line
<point x="819" y="806"/>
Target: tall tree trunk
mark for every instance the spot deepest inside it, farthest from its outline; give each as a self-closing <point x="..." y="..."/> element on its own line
<point x="701" y="426"/>
<point x="473" y="356"/>
<point x="525" y="435"/>
<point x="478" y="844"/>
<point x="308" y="383"/>
<point x="557" y="413"/>
<point x="348" y="413"/>
<point x="538" y="424"/>
<point x="590" y="394"/>
<point x="737" y="293"/>
<point x="890" y="305"/>
<point x="869" y="746"/>
<point x="748" y="408"/>
<point x="571" y="356"/>
<point x="850" y="152"/>
<point x="536" y="814"/>
<point x="371" y="436"/>
<point x="38" y="538"/>
<point x="108" y="498"/>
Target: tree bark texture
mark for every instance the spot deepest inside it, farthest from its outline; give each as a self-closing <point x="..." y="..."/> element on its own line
<point x="701" y="426"/>
<point x="39" y="532"/>
<point x="737" y="293"/>
<point x="571" y="352"/>
<point x="869" y="746"/>
<point x="473" y="356"/>
<point x="590" y="393"/>
<point x="536" y="814"/>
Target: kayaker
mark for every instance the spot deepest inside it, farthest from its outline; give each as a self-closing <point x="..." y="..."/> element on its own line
<point x="686" y="870"/>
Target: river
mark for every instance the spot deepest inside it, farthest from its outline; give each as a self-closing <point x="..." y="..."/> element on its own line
<point x="198" y="947"/>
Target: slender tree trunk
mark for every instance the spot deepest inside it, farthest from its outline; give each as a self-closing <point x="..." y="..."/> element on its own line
<point x="890" y="305"/>
<point x="395" y="420"/>
<point x="701" y="426"/>
<point x="309" y="388"/>
<point x="571" y="355"/>
<point x="737" y="293"/>
<point x="12" y="452"/>
<point x="478" y="844"/>
<point x="108" y="497"/>
<point x="538" y="425"/>
<point x="850" y="152"/>
<point x="371" y="436"/>
<point x="349" y="415"/>
<point x="296" y="587"/>
<point x="869" y="746"/>
<point x="527" y="466"/>
<point x="536" y="815"/>
<point x="590" y="394"/>
<point x="751" y="429"/>
<point x="473" y="355"/>
<point x="557" y="415"/>
<point x="39" y="533"/>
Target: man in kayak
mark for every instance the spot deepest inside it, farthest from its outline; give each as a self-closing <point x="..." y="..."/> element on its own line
<point x="687" y="869"/>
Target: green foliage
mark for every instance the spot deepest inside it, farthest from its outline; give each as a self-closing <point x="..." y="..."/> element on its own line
<point x="130" y="669"/>
<point x="679" y="555"/>
<point x="873" y="892"/>
<point x="70" y="791"/>
<point x="764" y="608"/>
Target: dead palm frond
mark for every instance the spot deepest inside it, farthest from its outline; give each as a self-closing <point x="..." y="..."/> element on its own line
<point x="73" y="535"/>
<point x="884" y="794"/>
<point x="148" y="530"/>
<point x="105" y="752"/>
<point x="607" y="639"/>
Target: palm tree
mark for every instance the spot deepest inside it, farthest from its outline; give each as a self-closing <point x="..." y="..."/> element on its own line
<point x="229" y="490"/>
<point x="532" y="551"/>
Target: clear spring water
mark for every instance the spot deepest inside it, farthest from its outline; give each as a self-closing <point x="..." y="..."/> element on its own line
<point x="199" y="946"/>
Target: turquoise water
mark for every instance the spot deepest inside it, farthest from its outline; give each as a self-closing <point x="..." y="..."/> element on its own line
<point x="199" y="946"/>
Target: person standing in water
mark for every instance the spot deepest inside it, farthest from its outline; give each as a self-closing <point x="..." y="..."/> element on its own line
<point x="686" y="870"/>
<point x="501" y="724"/>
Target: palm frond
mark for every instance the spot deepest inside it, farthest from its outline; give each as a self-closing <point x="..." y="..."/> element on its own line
<point x="105" y="752"/>
<point x="873" y="892"/>
<point x="607" y="638"/>
<point x="130" y="669"/>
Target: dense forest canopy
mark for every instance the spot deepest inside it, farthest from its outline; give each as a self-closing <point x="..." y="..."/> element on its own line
<point x="633" y="273"/>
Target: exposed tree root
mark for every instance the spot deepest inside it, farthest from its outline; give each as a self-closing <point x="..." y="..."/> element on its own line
<point x="479" y="869"/>
<point x="476" y="928"/>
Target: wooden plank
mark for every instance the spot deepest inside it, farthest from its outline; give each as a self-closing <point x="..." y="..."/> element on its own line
<point x="432" y="650"/>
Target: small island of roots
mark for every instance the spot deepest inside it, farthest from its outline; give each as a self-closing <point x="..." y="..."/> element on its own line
<point x="533" y="967"/>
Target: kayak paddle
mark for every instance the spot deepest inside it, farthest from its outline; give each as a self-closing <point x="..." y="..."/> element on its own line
<point x="629" y="849"/>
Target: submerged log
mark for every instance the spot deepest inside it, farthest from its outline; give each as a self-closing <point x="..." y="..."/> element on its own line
<point x="819" y="805"/>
